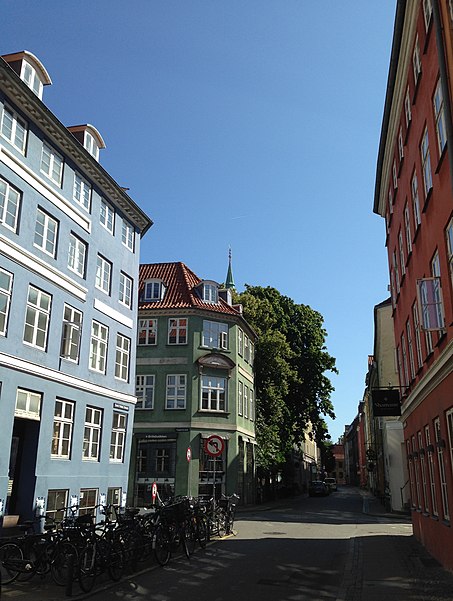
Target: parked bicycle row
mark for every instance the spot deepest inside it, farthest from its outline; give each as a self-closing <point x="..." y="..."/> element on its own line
<point x="78" y="549"/>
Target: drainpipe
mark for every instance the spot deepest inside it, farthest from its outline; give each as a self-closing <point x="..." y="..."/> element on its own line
<point x="444" y="83"/>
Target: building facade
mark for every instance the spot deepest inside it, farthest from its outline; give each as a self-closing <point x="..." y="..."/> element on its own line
<point x="194" y="381"/>
<point x="414" y="193"/>
<point x="69" y="258"/>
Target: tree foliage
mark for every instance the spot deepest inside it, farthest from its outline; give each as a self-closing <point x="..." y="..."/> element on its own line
<point x="291" y="362"/>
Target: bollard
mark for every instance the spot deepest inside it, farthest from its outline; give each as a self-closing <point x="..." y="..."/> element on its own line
<point x="70" y="575"/>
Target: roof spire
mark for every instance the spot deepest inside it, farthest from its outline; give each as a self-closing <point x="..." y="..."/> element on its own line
<point x="229" y="283"/>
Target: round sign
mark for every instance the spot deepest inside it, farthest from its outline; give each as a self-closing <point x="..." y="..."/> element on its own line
<point x="214" y="445"/>
<point x="154" y="491"/>
<point x="189" y="454"/>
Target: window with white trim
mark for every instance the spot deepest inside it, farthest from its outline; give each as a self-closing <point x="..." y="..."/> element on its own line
<point x="103" y="274"/>
<point x="396" y="270"/>
<point x="252" y="406"/>
<point x="431" y="472"/>
<point x="417" y="472"/>
<point x="400" y="144"/>
<point x="14" y="129"/>
<point x="147" y="332"/>
<point x="92" y="434"/>
<point x="410" y="349"/>
<point x="416" y="62"/>
<point x="423" y="472"/>
<point x="91" y="145"/>
<point x="415" y="201"/>
<point x="427" y="12"/>
<point x="144" y="391"/>
<point x="426" y="163"/>
<point x="407" y="229"/>
<point x="407" y="107"/>
<point x="126" y="287"/>
<point x="449" y="239"/>
<point x="210" y="293"/>
<point x="390" y="201"/>
<point x="57" y="500"/>
<point x="46" y="230"/>
<point x="395" y="175"/>
<point x="246" y="348"/>
<point x="107" y="216"/>
<point x="71" y="334"/>
<point x="240" y="342"/>
<point x="6" y="290"/>
<point x="98" y="346"/>
<point x="213" y="393"/>
<point x="28" y="404"/>
<point x="9" y="205"/>
<point x="418" y="343"/>
<point x="37" y="318"/>
<point x="215" y="334"/>
<point x="122" y="357"/>
<point x="401" y="252"/>
<point x="439" y="118"/>
<point x="87" y="501"/>
<point x="440" y="443"/>
<point x="82" y="191"/>
<point x="449" y="418"/>
<point x="405" y="374"/>
<point x="175" y="397"/>
<point x="246" y="401"/>
<point x="30" y="76"/>
<point x="240" y="398"/>
<point x="77" y="255"/>
<point x="118" y="438"/>
<point x="127" y="235"/>
<point x="177" y="330"/>
<point x="154" y="290"/>
<point x="62" y="429"/>
<point x="52" y="164"/>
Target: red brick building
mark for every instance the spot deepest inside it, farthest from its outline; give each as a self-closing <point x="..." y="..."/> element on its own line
<point x="414" y="193"/>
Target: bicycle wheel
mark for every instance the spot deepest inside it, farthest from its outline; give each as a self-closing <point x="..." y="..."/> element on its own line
<point x="162" y="548"/>
<point x="115" y="561"/>
<point x="202" y="531"/>
<point x="189" y="537"/>
<point x="87" y="568"/>
<point x="10" y="557"/>
<point x="64" y="563"/>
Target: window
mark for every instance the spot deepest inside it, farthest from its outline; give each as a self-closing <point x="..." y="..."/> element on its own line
<point x="400" y="144"/>
<point x="98" y="346"/>
<point x="449" y="417"/>
<point x="72" y="329"/>
<point x="88" y="500"/>
<point x="416" y="62"/>
<point x="439" y="118"/>
<point x="252" y="406"/>
<point x="417" y="472"/>
<point x="14" y="129"/>
<point x="405" y="372"/>
<point x="240" y="398"/>
<point x="91" y="145"/>
<point x="430" y="298"/>
<point x="427" y="12"/>
<point x="210" y="293"/>
<point x="103" y="274"/>
<point x="147" y="332"/>
<point x="449" y="238"/>
<point x="144" y="391"/>
<point x="31" y="78"/>
<point x="6" y="289"/>
<point x="423" y="472"/>
<point x="213" y="393"/>
<point x="51" y="164"/>
<point x="62" y="429"/>
<point x="246" y="401"/>
<point x="118" y="438"/>
<point x="28" y="404"/>
<point x="9" y="205"/>
<point x="415" y="201"/>
<point x="390" y="201"/>
<point x="37" y="318"/>
<point x="394" y="175"/>
<point x="440" y="443"/>
<point x="82" y="191"/>
<point x="114" y="496"/>
<point x="411" y="471"/>
<point x="401" y="252"/>
<point x="407" y="108"/>
<point x="126" y="286"/>
<point x="246" y="348"/>
<point x="426" y="163"/>
<point x="154" y="290"/>
<point x="123" y="349"/>
<point x="46" y="229"/>
<point x="240" y="342"/>
<point x="176" y="392"/>
<point x="162" y="460"/>
<point x="56" y="503"/>
<point x="407" y="224"/>
<point x="77" y="255"/>
<point x="127" y="235"/>
<point x="431" y="471"/>
<point x="410" y="349"/>
<point x="177" y="331"/>
<point x="107" y="216"/>
<point x="215" y="334"/>
<point x="92" y="434"/>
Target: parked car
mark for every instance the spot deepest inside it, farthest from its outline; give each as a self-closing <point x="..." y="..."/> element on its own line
<point x="331" y="483"/>
<point x="318" y="488"/>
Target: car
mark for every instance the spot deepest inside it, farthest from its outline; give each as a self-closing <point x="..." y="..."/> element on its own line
<point x="331" y="483"/>
<point x="318" y="488"/>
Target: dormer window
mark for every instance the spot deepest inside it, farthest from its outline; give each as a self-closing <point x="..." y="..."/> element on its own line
<point x="210" y="292"/>
<point x="154" y="290"/>
<point x="89" y="137"/>
<point x="91" y="146"/>
<point x="30" y="70"/>
<point x="31" y="78"/>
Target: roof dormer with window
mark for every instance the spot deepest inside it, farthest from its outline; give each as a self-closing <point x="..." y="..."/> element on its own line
<point x="30" y="70"/>
<point x="153" y="291"/>
<point x="89" y="137"/>
<point x="209" y="291"/>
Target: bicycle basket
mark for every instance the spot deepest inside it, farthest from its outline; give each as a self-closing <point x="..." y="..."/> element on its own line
<point x="177" y="511"/>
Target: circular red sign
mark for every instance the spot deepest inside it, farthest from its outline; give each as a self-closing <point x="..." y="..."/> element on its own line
<point x="154" y="491"/>
<point x="189" y="454"/>
<point x="214" y="445"/>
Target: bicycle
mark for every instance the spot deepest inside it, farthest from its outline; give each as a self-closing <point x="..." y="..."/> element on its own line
<point x="174" y="528"/>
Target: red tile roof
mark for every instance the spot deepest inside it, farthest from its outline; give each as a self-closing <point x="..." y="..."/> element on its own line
<point x="180" y="289"/>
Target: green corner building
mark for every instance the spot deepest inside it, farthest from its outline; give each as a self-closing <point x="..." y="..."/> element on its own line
<point x="194" y="381"/>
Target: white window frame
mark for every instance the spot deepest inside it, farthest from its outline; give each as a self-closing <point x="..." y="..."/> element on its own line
<point x="107" y="216"/>
<point x="10" y="200"/>
<point x="422" y="452"/>
<point x="240" y="398"/>
<point x="153" y="290"/>
<point x="125" y="291"/>
<point x="405" y="362"/>
<point x="77" y="255"/>
<point x="6" y="291"/>
<point x="71" y="334"/>
<point x="210" y="293"/>
<point x="176" y="392"/>
<point x="14" y="129"/>
<point x="246" y="401"/>
<point x="390" y="201"/>
<point x="449" y="239"/>
<point x="88" y="500"/>
<point x="144" y="391"/>
<point x="92" y="434"/>
<point x="37" y="318"/>
<point x="118" y="437"/>
<point x="407" y="229"/>
<point x="416" y="62"/>
<point x="427" y="12"/>
<point x="82" y="191"/>
<point x="432" y="473"/>
<point x="429" y="293"/>
<point x="442" y="471"/>
<point x="98" y="347"/>
<point x="63" y="422"/>
<point x="176" y="324"/>
<point x="426" y="163"/>
<point x="417" y="473"/>
<point x="214" y="335"/>
<point x="103" y="274"/>
<point x="418" y="343"/>
<point x="400" y="144"/>
<point x="33" y="401"/>
<point x="439" y="118"/>
<point x="54" y="169"/>
<point x="415" y="201"/>
<point x="127" y="235"/>
<point x="91" y="145"/>
<point x="46" y="233"/>
<point x="240" y="342"/>
<point x="401" y="252"/>
<point x="147" y="331"/>
<point x="410" y="348"/>
<point x="407" y="107"/>
<point x="395" y="175"/>
<point x="213" y="394"/>
<point x="252" y="406"/>
<point x="122" y="357"/>
<point x="449" y="419"/>
<point x="30" y="76"/>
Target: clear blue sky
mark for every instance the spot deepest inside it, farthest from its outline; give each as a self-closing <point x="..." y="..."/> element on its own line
<point x="250" y="123"/>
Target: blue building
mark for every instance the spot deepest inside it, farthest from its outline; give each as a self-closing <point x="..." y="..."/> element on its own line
<point x="69" y="259"/>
